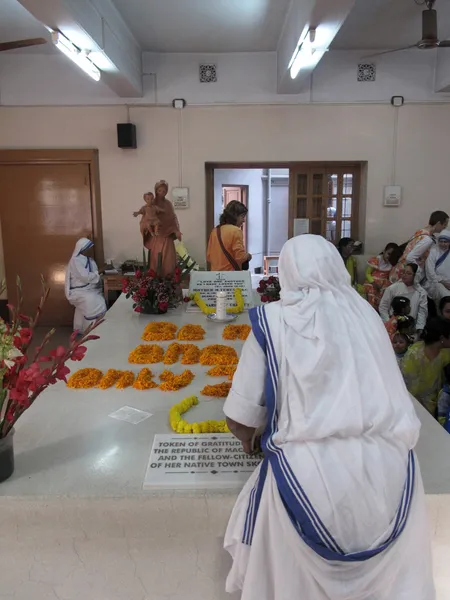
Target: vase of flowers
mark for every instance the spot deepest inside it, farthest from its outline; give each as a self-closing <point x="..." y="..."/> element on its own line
<point x="269" y="289"/>
<point x="153" y="294"/>
<point x="24" y="375"/>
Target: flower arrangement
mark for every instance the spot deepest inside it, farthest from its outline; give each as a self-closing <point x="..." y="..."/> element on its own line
<point x="207" y="310"/>
<point x="179" y="425"/>
<point x="220" y="390"/>
<point x="23" y="375"/>
<point x="191" y="333"/>
<point x="173" y="383"/>
<point x="236" y="332"/>
<point x="218" y="355"/>
<point x="159" y="331"/>
<point x="125" y="380"/>
<point x="223" y="371"/>
<point x="189" y="352"/>
<point x="146" y="354"/>
<point x="269" y="289"/>
<point x="85" y="379"/>
<point x="144" y="381"/>
<point x="109" y="379"/>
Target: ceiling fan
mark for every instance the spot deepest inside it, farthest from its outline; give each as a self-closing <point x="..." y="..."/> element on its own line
<point x="4" y="46"/>
<point x="430" y="38"/>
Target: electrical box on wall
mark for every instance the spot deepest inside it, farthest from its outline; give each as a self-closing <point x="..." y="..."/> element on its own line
<point x="392" y="196"/>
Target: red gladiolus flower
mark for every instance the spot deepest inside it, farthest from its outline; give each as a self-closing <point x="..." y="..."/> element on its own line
<point x="142" y="291"/>
<point x="163" y="306"/>
<point x="79" y="353"/>
<point x="259" y="290"/>
<point x="138" y="309"/>
<point x="61" y="372"/>
<point x="138" y="273"/>
<point x="264" y="298"/>
<point x="152" y="274"/>
<point x="58" y="353"/>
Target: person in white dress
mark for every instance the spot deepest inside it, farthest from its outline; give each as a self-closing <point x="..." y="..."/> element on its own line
<point x="83" y="287"/>
<point x="336" y="510"/>
<point x="409" y="288"/>
<point x="437" y="268"/>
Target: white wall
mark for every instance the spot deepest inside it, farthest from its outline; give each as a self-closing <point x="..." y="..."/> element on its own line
<point x="255" y="222"/>
<point x="247" y="133"/>
<point x="29" y="79"/>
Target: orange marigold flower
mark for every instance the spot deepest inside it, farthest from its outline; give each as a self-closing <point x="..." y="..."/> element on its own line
<point x="85" y="379"/>
<point x="109" y="379"/>
<point x="220" y="390"/>
<point x="146" y="354"/>
<point x="172" y="354"/>
<point x="218" y="355"/>
<point x="236" y="332"/>
<point x="125" y="380"/>
<point x="173" y="383"/>
<point x="144" y="380"/>
<point x="222" y="371"/>
<point x="191" y="333"/>
<point x="191" y="354"/>
<point x="159" y="331"/>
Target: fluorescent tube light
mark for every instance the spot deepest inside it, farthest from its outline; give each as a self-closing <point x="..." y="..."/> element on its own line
<point x="76" y="55"/>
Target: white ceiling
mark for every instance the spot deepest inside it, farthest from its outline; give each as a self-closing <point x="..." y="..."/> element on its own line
<point x="16" y="23"/>
<point x="206" y="26"/>
<point x="386" y="24"/>
<point x="212" y="26"/>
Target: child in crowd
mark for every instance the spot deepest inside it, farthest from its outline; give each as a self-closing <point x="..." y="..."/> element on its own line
<point x="401" y="307"/>
<point x="444" y="308"/>
<point x="403" y="338"/>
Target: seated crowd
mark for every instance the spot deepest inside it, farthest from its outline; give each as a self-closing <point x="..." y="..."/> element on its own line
<point x="409" y="286"/>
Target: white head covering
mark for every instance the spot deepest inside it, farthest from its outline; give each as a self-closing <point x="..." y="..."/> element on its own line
<point x="335" y="355"/>
<point x="82" y="245"/>
<point x="444" y="235"/>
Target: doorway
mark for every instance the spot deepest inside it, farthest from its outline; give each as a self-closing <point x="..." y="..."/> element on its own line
<point x="238" y="193"/>
<point x="48" y="200"/>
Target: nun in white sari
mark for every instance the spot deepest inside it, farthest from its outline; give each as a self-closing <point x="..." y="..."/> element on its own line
<point x="437" y="268"/>
<point x="336" y="511"/>
<point x="83" y="287"/>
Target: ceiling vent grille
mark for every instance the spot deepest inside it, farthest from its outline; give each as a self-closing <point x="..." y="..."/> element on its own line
<point x="367" y="72"/>
<point x="208" y="73"/>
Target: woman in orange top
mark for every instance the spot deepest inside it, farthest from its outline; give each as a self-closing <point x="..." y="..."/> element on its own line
<point x="226" y="250"/>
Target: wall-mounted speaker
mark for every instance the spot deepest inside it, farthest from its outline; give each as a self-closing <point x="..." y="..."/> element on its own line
<point x="126" y="136"/>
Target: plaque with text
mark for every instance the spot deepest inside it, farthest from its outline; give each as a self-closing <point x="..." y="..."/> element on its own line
<point x="208" y="283"/>
<point x="206" y="461"/>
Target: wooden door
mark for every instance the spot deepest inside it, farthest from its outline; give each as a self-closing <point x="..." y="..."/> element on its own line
<point x="44" y="210"/>
<point x="327" y="197"/>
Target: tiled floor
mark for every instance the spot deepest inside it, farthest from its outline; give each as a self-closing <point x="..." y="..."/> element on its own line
<point x="76" y="524"/>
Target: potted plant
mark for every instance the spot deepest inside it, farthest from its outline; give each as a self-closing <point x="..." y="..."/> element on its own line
<point x="153" y="294"/>
<point x="24" y="375"/>
<point x="269" y="289"/>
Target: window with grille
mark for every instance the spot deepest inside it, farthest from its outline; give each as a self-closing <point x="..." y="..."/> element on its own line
<point x="327" y="196"/>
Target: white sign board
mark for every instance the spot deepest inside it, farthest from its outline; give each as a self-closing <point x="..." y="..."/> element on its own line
<point x="208" y="283"/>
<point x="206" y="461"/>
<point x="301" y="226"/>
<point x="392" y="195"/>
<point x="180" y="198"/>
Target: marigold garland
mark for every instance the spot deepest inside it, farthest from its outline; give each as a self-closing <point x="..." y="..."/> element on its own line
<point x="85" y="379"/>
<point x="144" y="381"/>
<point x="109" y="379"/>
<point x="233" y="310"/>
<point x="222" y="371"/>
<point x="191" y="333"/>
<point x="146" y="354"/>
<point x="236" y="332"/>
<point x="220" y="390"/>
<point x="218" y="355"/>
<point x="125" y="380"/>
<point x="159" y="331"/>
<point x="179" y="425"/>
<point x="173" y="383"/>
